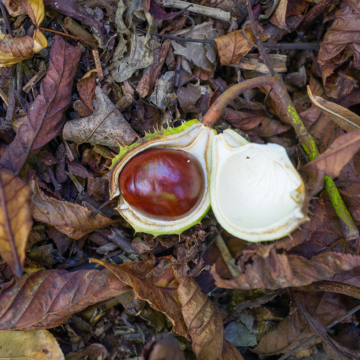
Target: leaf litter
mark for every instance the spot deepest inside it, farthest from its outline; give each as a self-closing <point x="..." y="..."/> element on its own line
<point x="81" y="80"/>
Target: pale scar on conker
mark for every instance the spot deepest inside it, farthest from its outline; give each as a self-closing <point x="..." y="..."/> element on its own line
<point x="163" y="184"/>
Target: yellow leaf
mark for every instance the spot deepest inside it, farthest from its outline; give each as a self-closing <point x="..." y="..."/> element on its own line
<point x="14" y="50"/>
<point x="35" y="9"/>
<point x="34" y="345"/>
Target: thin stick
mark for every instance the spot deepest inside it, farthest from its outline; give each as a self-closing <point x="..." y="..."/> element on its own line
<point x="3" y="11"/>
<point x="260" y="45"/>
<point x="281" y="46"/>
<point x="354" y="310"/>
<point x="71" y="36"/>
<point x="225" y="253"/>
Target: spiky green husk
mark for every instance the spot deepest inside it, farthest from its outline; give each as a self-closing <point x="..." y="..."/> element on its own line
<point x="152" y="136"/>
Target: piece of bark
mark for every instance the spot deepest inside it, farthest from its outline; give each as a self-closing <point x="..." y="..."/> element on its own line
<point x="112" y="131"/>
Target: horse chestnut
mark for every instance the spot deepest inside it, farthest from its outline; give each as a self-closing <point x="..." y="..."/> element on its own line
<point x="163" y="184"/>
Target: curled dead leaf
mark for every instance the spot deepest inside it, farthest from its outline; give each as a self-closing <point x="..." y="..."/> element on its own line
<point x="14" y="50"/>
<point x="86" y="88"/>
<point x="157" y="287"/>
<point x="280" y="270"/>
<point x="331" y="162"/>
<point x="15" y="219"/>
<point x="35" y="345"/>
<point x="233" y="46"/>
<point x="46" y="298"/>
<point x="204" y="322"/>
<point x="345" y="118"/>
<point x="69" y="218"/>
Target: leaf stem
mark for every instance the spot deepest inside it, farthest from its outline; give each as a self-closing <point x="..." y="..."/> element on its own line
<point x="3" y="11"/>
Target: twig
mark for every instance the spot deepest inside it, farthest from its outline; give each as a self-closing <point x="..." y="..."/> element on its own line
<point x="225" y="253"/>
<point x="96" y="56"/>
<point x="260" y="45"/>
<point x="3" y="11"/>
<point x="61" y="33"/>
<point x="11" y="106"/>
<point x="354" y="310"/>
<point x="315" y="11"/>
<point x="281" y="46"/>
<point x="199" y="9"/>
<point x="37" y="77"/>
<point x="77" y="30"/>
<point x="4" y="97"/>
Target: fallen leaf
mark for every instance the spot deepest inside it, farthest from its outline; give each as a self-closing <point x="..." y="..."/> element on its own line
<point x="86" y="88"/>
<point x="151" y="73"/>
<point x="280" y="270"/>
<point x="14" y="50"/>
<point x="233" y="46"/>
<point x="47" y="298"/>
<point x="293" y="330"/>
<point x="167" y="347"/>
<point x="163" y="95"/>
<point x="69" y="218"/>
<point x="188" y="96"/>
<point x="201" y="55"/>
<point x="348" y="336"/>
<point x="332" y="347"/>
<point x="340" y="42"/>
<point x="106" y="126"/>
<point x="345" y="118"/>
<point x="204" y="323"/>
<point x="15" y="219"/>
<point x="154" y="288"/>
<point x="46" y="115"/>
<point x="256" y="123"/>
<point x="331" y="162"/>
<point x="139" y="57"/>
<point x="34" y="345"/>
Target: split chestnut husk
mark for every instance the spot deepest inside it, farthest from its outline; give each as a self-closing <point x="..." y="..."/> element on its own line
<point x="167" y="180"/>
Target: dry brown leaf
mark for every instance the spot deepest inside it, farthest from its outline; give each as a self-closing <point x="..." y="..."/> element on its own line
<point x="106" y="126"/>
<point x="86" y="88"/>
<point x="47" y="298"/>
<point x="335" y="350"/>
<point x="46" y="114"/>
<point x="15" y="219"/>
<point x="205" y="323"/>
<point x="331" y="162"/>
<point x="280" y="270"/>
<point x="154" y="287"/>
<point x="14" y="50"/>
<point x="69" y="218"/>
<point x="233" y="46"/>
<point x="345" y="118"/>
<point x="32" y="345"/>
<point x="293" y="330"/>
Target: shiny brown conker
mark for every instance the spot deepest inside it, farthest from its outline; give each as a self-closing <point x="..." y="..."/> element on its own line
<point x="163" y="184"/>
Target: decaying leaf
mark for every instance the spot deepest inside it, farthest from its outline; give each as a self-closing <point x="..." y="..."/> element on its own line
<point x="46" y="298"/>
<point x="331" y="162"/>
<point x="69" y="218"/>
<point x="86" y="88"/>
<point x="294" y="329"/>
<point x="332" y="347"/>
<point x="140" y="57"/>
<point x="162" y="94"/>
<point x="279" y="270"/>
<point x="14" y="50"/>
<point x="34" y="345"/>
<point x="233" y="46"/>
<point x="46" y="114"/>
<point x="15" y="219"/>
<point x="345" y="118"/>
<point x="106" y="126"/>
<point x="201" y="55"/>
<point x="204" y="323"/>
<point x="157" y="287"/>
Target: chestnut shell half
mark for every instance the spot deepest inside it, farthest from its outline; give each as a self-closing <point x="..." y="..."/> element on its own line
<point x="163" y="184"/>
